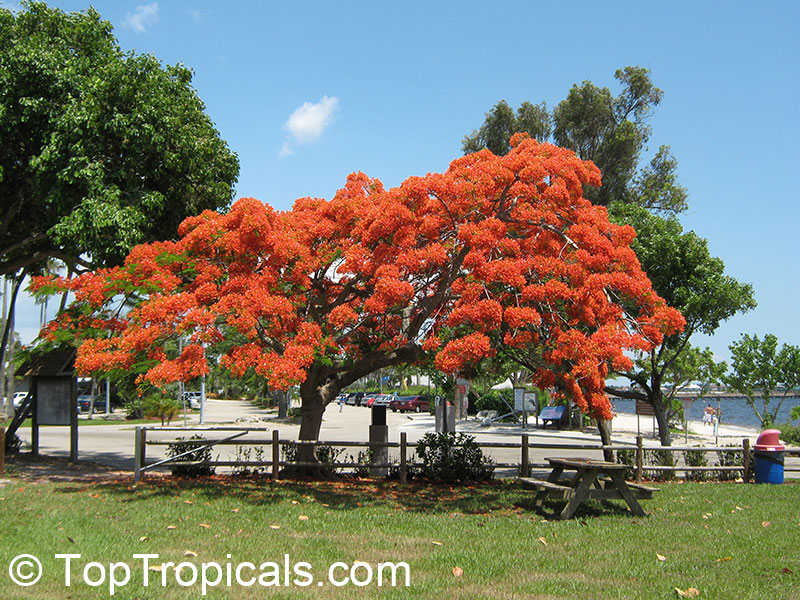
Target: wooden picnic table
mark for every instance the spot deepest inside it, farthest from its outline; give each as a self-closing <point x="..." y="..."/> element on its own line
<point x="596" y="479"/>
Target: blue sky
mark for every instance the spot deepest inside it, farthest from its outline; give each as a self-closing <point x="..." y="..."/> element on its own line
<point x="307" y="92"/>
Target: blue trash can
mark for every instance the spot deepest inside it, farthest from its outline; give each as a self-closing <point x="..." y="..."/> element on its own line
<point x="769" y="457"/>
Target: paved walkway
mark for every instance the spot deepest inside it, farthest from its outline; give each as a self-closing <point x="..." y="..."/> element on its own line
<point x="113" y="444"/>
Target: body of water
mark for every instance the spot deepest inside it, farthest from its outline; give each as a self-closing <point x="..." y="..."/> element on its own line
<point x="734" y="411"/>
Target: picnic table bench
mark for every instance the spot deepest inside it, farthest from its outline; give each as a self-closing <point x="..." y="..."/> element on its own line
<point x="593" y="479"/>
<point x="552" y="414"/>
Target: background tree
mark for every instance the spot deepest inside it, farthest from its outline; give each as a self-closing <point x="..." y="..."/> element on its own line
<point x="497" y="251"/>
<point x="611" y="131"/>
<point x="100" y="149"/>
<point x="759" y="369"/>
<point x="684" y="273"/>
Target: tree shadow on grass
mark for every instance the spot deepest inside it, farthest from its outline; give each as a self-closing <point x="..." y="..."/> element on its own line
<point x="415" y="496"/>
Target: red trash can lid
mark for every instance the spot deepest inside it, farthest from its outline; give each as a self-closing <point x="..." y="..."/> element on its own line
<point x="768" y="440"/>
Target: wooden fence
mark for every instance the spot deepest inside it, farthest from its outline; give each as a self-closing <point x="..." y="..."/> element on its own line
<point x="742" y="455"/>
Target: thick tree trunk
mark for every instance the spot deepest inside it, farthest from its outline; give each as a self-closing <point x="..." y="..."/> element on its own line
<point x="604" y="427"/>
<point x="661" y="419"/>
<point x="315" y="398"/>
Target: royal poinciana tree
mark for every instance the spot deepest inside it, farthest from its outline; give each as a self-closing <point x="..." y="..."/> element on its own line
<point x="497" y="251"/>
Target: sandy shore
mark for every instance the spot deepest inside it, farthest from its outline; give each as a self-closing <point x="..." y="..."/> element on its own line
<point x="627" y="426"/>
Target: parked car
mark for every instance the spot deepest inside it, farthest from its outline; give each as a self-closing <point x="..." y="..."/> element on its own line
<point x="410" y="403"/>
<point x="382" y="400"/>
<point x="354" y="398"/>
<point x="16" y="401"/>
<point x="369" y="399"/>
<point x="192" y="399"/>
<point x="85" y="403"/>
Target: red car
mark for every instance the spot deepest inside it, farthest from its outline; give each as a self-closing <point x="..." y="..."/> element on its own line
<point x="412" y="403"/>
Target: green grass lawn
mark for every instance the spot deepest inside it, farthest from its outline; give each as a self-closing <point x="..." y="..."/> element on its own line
<point x="729" y="541"/>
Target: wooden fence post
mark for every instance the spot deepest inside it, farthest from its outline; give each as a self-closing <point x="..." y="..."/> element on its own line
<point x="276" y="454"/>
<point x="639" y="458"/>
<point x="746" y="459"/>
<point x="403" y="465"/>
<point x="525" y="462"/>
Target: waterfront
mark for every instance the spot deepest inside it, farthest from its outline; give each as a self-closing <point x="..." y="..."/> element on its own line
<point x="734" y="411"/>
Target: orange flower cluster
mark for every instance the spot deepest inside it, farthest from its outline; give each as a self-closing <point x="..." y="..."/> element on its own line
<point x="495" y="253"/>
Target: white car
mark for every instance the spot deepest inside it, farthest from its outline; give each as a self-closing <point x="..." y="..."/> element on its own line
<point x="18" y="398"/>
<point x="192" y="399"/>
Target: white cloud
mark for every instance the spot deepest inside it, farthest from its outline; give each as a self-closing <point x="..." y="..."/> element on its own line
<point x="141" y="18"/>
<point x="307" y="123"/>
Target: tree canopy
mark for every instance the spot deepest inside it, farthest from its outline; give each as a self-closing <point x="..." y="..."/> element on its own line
<point x="611" y="131"/>
<point x="759" y="368"/>
<point x="497" y="251"/>
<point x="99" y="149"/>
<point x="688" y="278"/>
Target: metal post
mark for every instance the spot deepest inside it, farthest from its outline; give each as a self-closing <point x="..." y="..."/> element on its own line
<point x="203" y="400"/>
<point x="403" y="465"/>
<point x="137" y="454"/>
<point x="108" y="397"/>
<point x="276" y="454"/>
<point x="746" y="459"/>
<point x="143" y="447"/>
<point x="639" y="458"/>
<point x="525" y="457"/>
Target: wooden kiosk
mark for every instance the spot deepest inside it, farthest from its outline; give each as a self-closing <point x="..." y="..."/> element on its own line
<point x="52" y="399"/>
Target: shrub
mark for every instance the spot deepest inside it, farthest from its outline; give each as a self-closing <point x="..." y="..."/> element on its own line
<point x="327" y="455"/>
<point x="729" y="459"/>
<point x="493" y="400"/>
<point x="662" y="458"/>
<point x="696" y="458"/>
<point x="790" y="434"/>
<point x="245" y="454"/>
<point x="627" y="457"/>
<point x="201" y="454"/>
<point x="160" y="406"/>
<point x="449" y="457"/>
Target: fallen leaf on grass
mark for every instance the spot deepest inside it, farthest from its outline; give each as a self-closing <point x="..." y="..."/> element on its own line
<point x="190" y="554"/>
<point x="661" y="557"/>
<point x="155" y="568"/>
<point x="188" y="502"/>
<point x="303" y="517"/>
<point x="688" y="593"/>
<point x="787" y="571"/>
<point x="723" y="559"/>
<point x="295" y="502"/>
<point x="458" y="571"/>
<point x="765" y="523"/>
<point x="436" y="543"/>
<point x="143" y="538"/>
<point x="543" y="541"/>
<point x="205" y="526"/>
<point x="171" y="527"/>
<point x="234" y="510"/>
<point x="274" y="526"/>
